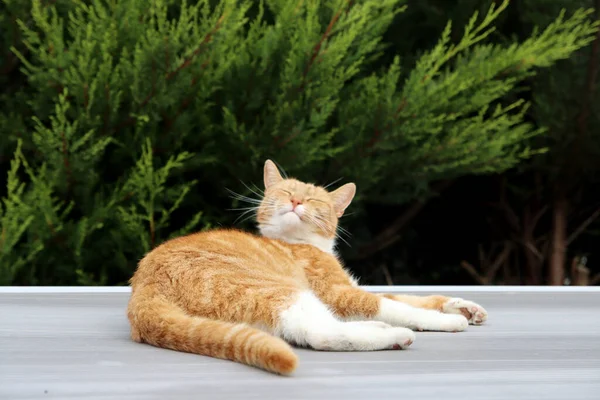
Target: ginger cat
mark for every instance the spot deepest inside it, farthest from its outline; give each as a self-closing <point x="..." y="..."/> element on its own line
<point x="243" y="297"/>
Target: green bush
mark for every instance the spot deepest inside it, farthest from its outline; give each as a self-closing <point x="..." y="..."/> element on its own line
<point x="128" y="120"/>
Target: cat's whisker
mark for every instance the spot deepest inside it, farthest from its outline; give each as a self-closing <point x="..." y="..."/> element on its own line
<point x="243" y="208"/>
<point x="247" y="200"/>
<point x="340" y="228"/>
<point x="246" y="219"/>
<point x="281" y="170"/>
<point x="319" y="221"/>
<point x="259" y="190"/>
<point x="260" y="193"/>
<point x="248" y="213"/>
<point x="267" y="205"/>
<point x="344" y="231"/>
<point x="241" y="197"/>
<point x="267" y="223"/>
<point x="333" y="183"/>
<point x="343" y="240"/>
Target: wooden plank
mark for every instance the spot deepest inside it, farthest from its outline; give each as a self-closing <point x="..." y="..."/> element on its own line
<point x="536" y="344"/>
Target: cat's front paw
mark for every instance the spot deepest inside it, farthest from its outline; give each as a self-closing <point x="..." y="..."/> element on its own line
<point x="473" y="312"/>
<point x="443" y="323"/>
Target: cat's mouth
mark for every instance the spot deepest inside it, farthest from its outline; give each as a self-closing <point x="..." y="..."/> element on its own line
<point x="292" y="216"/>
<point x="294" y="213"/>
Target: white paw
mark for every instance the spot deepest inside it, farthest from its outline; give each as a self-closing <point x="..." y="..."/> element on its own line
<point x="397" y="338"/>
<point x="353" y="336"/>
<point x="473" y="312"/>
<point x="399" y="314"/>
<point x="457" y="323"/>
<point x="443" y="323"/>
<point x="388" y="338"/>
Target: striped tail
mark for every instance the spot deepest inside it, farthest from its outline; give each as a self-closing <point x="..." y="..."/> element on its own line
<point x="162" y="324"/>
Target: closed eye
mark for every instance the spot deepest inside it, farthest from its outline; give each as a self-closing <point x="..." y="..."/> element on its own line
<point x="286" y="192"/>
<point x="320" y="201"/>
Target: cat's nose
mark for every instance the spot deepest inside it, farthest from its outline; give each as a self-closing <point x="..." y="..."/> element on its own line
<point x="295" y="202"/>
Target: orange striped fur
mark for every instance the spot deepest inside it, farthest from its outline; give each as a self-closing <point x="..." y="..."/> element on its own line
<point x="244" y="297"/>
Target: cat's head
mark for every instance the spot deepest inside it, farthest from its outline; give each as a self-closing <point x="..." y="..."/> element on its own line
<point x="299" y="212"/>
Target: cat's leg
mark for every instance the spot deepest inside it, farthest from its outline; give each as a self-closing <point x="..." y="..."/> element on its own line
<point x="475" y="314"/>
<point x="308" y="322"/>
<point x="293" y="314"/>
<point x="354" y="303"/>
<point x="378" y="324"/>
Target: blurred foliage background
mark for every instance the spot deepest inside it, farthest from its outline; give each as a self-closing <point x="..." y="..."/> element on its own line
<point x="470" y="127"/>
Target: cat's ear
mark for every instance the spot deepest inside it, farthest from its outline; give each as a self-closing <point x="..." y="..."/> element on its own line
<point x="271" y="174"/>
<point x="342" y="197"/>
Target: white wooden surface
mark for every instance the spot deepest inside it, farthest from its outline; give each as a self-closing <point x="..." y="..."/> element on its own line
<point x="72" y="343"/>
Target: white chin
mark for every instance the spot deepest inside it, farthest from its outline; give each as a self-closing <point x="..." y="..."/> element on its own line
<point x="290" y="219"/>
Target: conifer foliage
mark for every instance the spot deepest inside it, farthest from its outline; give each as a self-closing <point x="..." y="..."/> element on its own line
<point x="124" y="121"/>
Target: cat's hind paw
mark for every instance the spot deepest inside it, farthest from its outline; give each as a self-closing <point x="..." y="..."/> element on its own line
<point x="473" y="312"/>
